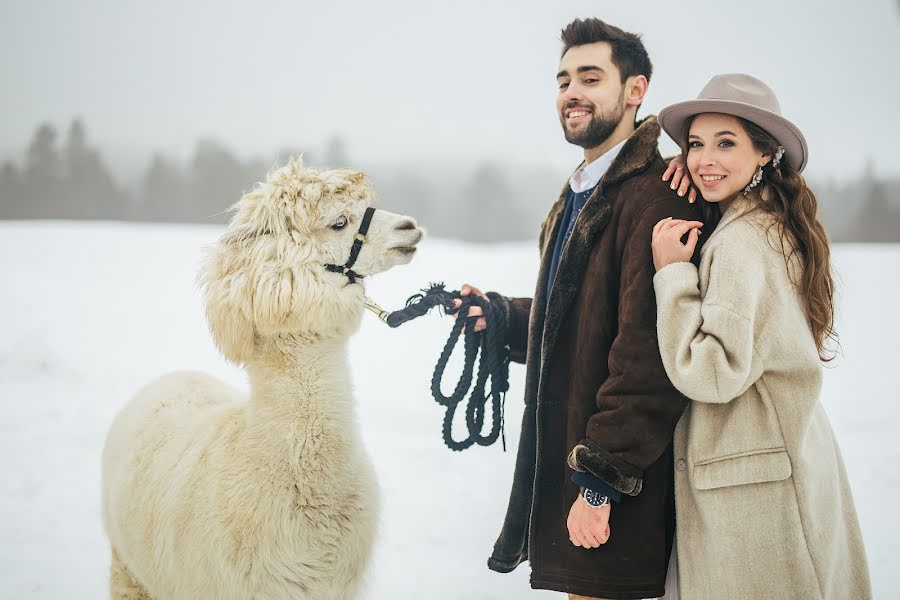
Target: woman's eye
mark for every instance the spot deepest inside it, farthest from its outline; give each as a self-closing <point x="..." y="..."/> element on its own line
<point x="339" y="224"/>
<point x="726" y="144"/>
<point x="694" y="145"/>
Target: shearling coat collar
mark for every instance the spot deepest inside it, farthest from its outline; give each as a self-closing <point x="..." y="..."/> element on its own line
<point x="636" y="155"/>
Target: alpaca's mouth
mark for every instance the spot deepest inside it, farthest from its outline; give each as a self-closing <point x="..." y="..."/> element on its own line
<point x="404" y="249"/>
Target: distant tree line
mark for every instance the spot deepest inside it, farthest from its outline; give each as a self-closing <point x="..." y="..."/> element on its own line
<point x="64" y="177"/>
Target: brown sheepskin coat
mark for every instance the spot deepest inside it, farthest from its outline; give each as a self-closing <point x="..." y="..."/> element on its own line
<point x="596" y="391"/>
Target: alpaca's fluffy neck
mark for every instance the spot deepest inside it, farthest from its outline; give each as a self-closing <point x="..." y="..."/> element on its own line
<point x="301" y="395"/>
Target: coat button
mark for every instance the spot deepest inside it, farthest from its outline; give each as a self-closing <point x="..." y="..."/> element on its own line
<point x="681" y="464"/>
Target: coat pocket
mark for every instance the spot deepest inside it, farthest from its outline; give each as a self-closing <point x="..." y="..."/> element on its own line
<point x="756" y="466"/>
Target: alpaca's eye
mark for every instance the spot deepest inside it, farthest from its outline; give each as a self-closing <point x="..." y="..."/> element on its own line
<point x="339" y="224"/>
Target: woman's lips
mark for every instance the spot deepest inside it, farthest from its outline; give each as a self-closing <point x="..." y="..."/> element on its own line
<point x="713" y="183"/>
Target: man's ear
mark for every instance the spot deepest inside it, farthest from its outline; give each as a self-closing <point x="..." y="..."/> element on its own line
<point x="635" y="90"/>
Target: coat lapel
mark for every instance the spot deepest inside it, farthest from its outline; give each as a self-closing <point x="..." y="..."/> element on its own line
<point x="636" y="155"/>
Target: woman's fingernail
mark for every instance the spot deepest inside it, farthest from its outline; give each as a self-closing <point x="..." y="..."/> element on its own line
<point x="681" y="193"/>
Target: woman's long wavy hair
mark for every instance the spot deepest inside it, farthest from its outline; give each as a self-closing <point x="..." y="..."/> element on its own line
<point x="784" y="193"/>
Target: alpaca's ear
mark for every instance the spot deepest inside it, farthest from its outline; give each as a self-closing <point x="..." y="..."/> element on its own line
<point x="348" y="180"/>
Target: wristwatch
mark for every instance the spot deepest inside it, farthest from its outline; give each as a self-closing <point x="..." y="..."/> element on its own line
<point x="593" y="498"/>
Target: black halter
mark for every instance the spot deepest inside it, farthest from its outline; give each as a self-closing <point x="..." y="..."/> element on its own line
<point x="359" y="239"/>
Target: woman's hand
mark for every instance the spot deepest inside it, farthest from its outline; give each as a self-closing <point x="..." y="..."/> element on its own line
<point x="676" y="170"/>
<point x="666" y="241"/>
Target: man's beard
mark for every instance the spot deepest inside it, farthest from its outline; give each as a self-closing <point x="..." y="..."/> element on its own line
<point x="601" y="126"/>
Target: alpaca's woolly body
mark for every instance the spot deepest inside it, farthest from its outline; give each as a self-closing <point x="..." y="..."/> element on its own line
<point x="211" y="496"/>
<point x="207" y="494"/>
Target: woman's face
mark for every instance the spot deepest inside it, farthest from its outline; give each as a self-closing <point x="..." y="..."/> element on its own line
<point x="721" y="156"/>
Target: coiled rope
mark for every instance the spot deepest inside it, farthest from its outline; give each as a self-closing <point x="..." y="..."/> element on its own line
<point x="493" y="364"/>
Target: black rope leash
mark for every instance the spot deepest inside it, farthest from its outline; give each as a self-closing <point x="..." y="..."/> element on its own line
<point x="493" y="365"/>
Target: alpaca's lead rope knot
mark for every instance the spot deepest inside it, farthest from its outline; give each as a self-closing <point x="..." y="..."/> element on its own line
<point x="494" y="363"/>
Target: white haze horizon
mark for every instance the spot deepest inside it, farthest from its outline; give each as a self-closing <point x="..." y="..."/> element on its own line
<point x="406" y="82"/>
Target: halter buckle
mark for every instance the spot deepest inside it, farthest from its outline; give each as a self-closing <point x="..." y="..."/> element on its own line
<point x="360" y="237"/>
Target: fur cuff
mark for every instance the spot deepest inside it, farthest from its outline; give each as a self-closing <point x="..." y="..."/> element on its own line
<point x="588" y="457"/>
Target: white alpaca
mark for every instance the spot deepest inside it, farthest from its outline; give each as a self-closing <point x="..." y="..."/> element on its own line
<point x="207" y="494"/>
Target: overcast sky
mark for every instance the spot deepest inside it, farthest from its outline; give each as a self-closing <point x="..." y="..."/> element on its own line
<point x="424" y="81"/>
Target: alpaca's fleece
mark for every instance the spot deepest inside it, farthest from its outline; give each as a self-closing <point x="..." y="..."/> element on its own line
<point x="207" y="494"/>
<point x="266" y="273"/>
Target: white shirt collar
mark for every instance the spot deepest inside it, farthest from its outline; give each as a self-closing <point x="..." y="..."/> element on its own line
<point x="587" y="176"/>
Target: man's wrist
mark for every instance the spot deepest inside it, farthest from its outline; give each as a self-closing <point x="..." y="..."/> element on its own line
<point x="591" y="481"/>
<point x="592" y="498"/>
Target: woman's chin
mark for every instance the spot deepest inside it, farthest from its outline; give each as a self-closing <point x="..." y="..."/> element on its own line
<point x="715" y="196"/>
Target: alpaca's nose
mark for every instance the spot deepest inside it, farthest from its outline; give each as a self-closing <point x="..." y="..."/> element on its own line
<point x="406" y="224"/>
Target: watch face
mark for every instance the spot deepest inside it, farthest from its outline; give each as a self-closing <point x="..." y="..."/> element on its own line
<point x="593" y="498"/>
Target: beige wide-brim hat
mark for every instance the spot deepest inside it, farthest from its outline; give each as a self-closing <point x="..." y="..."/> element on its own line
<point x="741" y="96"/>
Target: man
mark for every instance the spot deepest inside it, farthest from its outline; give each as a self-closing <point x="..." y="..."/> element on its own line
<point x="599" y="410"/>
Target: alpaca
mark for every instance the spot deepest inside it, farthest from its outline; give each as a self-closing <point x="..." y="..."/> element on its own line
<point x="207" y="494"/>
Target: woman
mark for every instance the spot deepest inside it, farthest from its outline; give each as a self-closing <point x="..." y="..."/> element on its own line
<point x="763" y="502"/>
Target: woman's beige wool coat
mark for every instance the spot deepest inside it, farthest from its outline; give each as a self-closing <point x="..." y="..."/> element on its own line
<point x="764" y="507"/>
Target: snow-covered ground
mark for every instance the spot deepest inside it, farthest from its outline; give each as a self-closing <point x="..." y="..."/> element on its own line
<point x="90" y="312"/>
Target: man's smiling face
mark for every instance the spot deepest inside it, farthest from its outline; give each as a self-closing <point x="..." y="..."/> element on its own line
<point x="591" y="100"/>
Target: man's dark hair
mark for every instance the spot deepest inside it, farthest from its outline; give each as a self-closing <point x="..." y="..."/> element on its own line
<point x="628" y="52"/>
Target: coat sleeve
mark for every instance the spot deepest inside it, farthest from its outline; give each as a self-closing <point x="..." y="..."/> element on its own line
<point x="517" y="312"/>
<point x="708" y="344"/>
<point x="637" y="405"/>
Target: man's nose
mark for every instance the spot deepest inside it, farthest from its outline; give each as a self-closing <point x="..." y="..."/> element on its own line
<point x="572" y="93"/>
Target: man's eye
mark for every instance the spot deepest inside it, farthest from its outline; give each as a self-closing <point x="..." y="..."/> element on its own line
<point x="591" y="80"/>
<point x="564" y="85"/>
<point x="339" y="224"/>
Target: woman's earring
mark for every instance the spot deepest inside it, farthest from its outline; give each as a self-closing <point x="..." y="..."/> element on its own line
<point x="777" y="160"/>
<point x="757" y="177"/>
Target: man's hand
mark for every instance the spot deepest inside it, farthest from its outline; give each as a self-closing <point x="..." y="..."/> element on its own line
<point x="588" y="525"/>
<point x="677" y="171"/>
<point x="666" y="241"/>
<point x="474" y="311"/>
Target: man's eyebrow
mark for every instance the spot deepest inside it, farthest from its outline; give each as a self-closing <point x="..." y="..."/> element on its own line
<point x="584" y="69"/>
